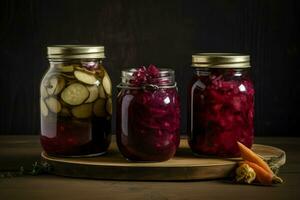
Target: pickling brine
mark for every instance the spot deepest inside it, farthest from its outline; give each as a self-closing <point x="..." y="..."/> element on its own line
<point x="75" y="102"/>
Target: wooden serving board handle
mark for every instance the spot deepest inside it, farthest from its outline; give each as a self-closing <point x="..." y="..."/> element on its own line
<point x="184" y="166"/>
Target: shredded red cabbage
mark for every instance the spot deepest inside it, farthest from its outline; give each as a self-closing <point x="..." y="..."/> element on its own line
<point x="148" y="120"/>
<point x="223" y="110"/>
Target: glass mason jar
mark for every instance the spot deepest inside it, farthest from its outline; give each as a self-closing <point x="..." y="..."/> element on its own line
<point x="75" y="101"/>
<point x="148" y="118"/>
<point x="220" y="104"/>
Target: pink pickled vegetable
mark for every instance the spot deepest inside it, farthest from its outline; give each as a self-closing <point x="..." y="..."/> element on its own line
<point x="148" y="121"/>
<point x="222" y="114"/>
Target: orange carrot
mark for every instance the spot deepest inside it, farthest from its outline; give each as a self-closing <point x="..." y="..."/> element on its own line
<point x="248" y="155"/>
<point x="263" y="176"/>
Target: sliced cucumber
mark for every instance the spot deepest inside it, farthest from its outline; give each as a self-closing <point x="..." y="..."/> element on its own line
<point x="68" y="76"/>
<point x="44" y="109"/>
<point x="60" y="86"/>
<point x="52" y="85"/>
<point x="83" y="111"/>
<point x="102" y="94"/>
<point x="99" y="108"/>
<point x="67" y="68"/>
<point x="85" y="70"/>
<point x="64" y="104"/>
<point x="56" y="84"/>
<point x="53" y="104"/>
<point x="106" y="82"/>
<point x="93" y="93"/>
<point x="109" y="106"/>
<point x="70" y="82"/>
<point x="85" y="77"/>
<point x="44" y="92"/>
<point x="75" y="94"/>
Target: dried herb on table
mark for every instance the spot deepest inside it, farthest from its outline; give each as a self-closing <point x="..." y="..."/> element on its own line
<point x="10" y="174"/>
<point x="38" y="168"/>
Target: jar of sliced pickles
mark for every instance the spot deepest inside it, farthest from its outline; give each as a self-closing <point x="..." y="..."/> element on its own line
<point x="75" y="102"/>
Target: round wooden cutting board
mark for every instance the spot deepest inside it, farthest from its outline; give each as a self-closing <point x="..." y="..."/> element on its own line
<point x="184" y="166"/>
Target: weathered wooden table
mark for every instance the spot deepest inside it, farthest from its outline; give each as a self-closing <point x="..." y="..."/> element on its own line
<point x="16" y="151"/>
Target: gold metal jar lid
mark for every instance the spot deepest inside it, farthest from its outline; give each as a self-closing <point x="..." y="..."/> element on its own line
<point x="221" y="60"/>
<point x="75" y="52"/>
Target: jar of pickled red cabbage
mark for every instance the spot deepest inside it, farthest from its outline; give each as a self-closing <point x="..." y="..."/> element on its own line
<point x="220" y="104"/>
<point x="75" y="102"/>
<point x="148" y="114"/>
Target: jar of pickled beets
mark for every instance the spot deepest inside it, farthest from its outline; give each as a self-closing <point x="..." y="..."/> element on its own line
<point x="220" y="104"/>
<point x="148" y="114"/>
<point x="75" y="102"/>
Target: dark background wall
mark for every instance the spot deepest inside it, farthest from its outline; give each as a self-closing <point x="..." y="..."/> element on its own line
<point x="165" y="33"/>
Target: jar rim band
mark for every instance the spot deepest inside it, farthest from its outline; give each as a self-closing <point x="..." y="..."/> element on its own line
<point x="147" y="86"/>
<point x="75" y="52"/>
<point x="221" y="60"/>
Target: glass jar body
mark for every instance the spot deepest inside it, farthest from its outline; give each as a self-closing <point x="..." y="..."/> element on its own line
<point x="76" y="108"/>
<point x="148" y="123"/>
<point x="221" y="110"/>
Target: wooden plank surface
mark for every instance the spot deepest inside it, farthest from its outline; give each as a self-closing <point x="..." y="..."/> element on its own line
<point x="24" y="150"/>
<point x="184" y="166"/>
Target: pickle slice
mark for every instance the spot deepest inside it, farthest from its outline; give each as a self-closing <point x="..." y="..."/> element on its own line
<point x="68" y="76"/>
<point x="52" y="85"/>
<point x="109" y="106"/>
<point x="70" y="82"/>
<point x="85" y="70"/>
<point x="93" y="93"/>
<point x="85" y="77"/>
<point x="82" y="111"/>
<point x="44" y="92"/>
<point x="101" y="92"/>
<point x="55" y="85"/>
<point x="44" y="109"/>
<point x="67" y="68"/>
<point x="60" y="86"/>
<point x="75" y="94"/>
<point x="99" y="108"/>
<point x="106" y="82"/>
<point x="53" y="104"/>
